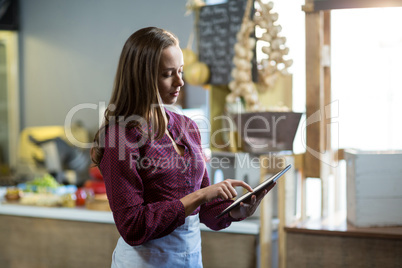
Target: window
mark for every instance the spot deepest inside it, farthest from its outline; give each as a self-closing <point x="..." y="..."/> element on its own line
<point x="366" y="77"/>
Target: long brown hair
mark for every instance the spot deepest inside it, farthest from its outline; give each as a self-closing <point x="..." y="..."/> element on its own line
<point x="135" y="89"/>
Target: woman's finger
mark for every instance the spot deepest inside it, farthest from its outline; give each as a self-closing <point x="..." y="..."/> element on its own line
<point x="230" y="192"/>
<point x="253" y="199"/>
<point x="236" y="183"/>
<point x="262" y="194"/>
<point x="227" y="187"/>
<point x="222" y="194"/>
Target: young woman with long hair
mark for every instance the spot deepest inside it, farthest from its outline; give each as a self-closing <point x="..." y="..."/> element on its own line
<point x="152" y="162"/>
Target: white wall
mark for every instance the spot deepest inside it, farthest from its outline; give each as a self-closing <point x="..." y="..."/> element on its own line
<point x="69" y="52"/>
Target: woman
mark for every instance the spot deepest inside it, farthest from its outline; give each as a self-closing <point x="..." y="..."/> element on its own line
<point x="152" y="162"/>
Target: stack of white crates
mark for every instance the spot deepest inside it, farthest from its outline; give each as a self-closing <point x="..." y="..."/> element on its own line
<point x="374" y="188"/>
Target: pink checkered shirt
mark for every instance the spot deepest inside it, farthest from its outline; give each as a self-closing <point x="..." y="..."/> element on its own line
<point x="145" y="180"/>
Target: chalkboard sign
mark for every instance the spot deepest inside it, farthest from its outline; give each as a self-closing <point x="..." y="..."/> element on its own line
<point x="217" y="29"/>
<point x="9" y="14"/>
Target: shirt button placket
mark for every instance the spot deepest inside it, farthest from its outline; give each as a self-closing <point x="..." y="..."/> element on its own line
<point x="190" y="170"/>
<point x="187" y="163"/>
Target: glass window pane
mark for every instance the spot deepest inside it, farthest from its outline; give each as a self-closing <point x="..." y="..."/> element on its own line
<point x="366" y="67"/>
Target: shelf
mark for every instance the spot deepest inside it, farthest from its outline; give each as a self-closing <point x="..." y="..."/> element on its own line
<point x="249" y="226"/>
<point x="338" y="226"/>
<point x="71" y="214"/>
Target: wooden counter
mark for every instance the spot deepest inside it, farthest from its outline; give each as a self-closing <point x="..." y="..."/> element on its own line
<point x="73" y="237"/>
<point x="335" y="243"/>
<point x="42" y="242"/>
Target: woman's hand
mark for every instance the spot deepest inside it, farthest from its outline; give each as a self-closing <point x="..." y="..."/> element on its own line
<point x="247" y="209"/>
<point x="223" y="190"/>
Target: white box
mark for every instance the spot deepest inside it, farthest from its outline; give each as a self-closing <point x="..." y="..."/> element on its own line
<point x="374" y="188"/>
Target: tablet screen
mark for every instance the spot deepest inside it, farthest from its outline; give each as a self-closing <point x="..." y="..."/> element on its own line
<point x="265" y="184"/>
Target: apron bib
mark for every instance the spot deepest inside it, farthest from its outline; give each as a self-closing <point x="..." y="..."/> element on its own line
<point x="181" y="248"/>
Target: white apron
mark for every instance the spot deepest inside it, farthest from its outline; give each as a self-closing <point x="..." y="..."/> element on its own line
<point x="181" y="248"/>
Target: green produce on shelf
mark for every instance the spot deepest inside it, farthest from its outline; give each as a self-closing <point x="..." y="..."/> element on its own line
<point x="42" y="184"/>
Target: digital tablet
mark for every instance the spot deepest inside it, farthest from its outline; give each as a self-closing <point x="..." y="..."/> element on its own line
<point x="256" y="191"/>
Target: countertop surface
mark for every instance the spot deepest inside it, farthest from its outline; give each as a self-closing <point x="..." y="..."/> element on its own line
<point x="248" y="226"/>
